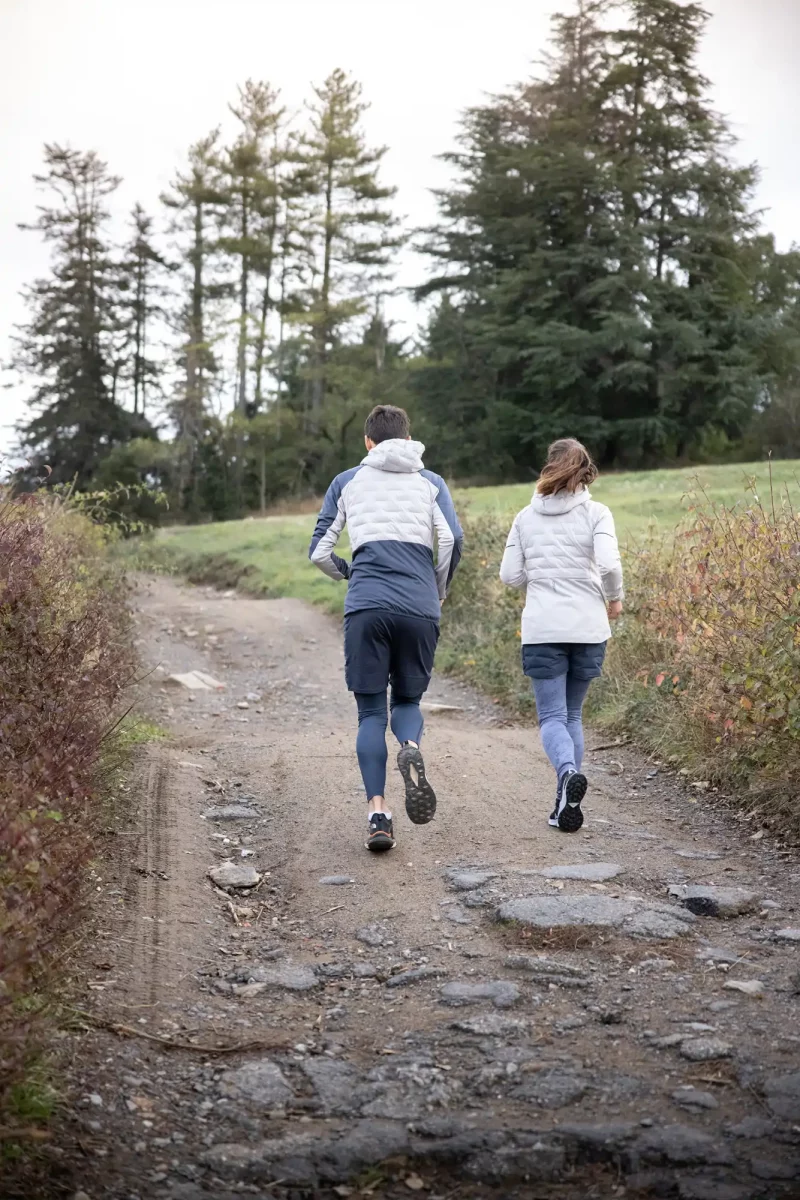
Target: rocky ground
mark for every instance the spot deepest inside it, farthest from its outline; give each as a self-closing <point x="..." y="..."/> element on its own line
<point x="492" y="1009"/>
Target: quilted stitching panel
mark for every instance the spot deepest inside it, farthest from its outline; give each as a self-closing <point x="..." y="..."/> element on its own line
<point x="560" y="547"/>
<point x="389" y="507"/>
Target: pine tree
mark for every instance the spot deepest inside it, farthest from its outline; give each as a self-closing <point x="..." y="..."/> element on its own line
<point x="196" y="203"/>
<point x="143" y="269"/>
<point x="249" y="170"/>
<point x="597" y="244"/>
<point x="688" y="223"/>
<point x="67" y="344"/>
<point x="352" y="232"/>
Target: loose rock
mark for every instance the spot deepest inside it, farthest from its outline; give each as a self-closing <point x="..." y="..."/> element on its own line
<point x="491" y="1025"/>
<point x="705" y="1049"/>
<point x="415" y="975"/>
<point x="750" y="987"/>
<point x="715" y="901"/>
<point x="371" y="935"/>
<point x="467" y="881"/>
<point x="562" y="974"/>
<point x="719" y="954"/>
<point x="234" y="875"/>
<point x="500" y="992"/>
<point x="196" y="681"/>
<point x="691" y="1098"/>
<point x="336" y="880"/>
<point x="290" y="976"/>
<point x="788" y="935"/>
<point x="231" y="812"/>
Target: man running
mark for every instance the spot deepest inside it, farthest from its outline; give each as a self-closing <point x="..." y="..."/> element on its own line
<point x="392" y="508"/>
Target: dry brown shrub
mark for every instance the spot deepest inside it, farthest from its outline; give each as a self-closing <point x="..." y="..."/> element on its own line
<point x="708" y="666"/>
<point x="65" y="658"/>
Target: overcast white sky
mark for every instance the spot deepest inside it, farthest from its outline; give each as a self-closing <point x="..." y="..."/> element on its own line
<point x="139" y="80"/>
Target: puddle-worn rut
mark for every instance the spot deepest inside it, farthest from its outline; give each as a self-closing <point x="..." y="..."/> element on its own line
<point x="608" y="1038"/>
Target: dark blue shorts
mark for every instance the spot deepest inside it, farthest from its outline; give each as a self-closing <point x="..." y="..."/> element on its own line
<point x="580" y="660"/>
<point x="385" y="647"/>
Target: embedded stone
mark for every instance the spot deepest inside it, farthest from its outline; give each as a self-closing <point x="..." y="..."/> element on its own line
<point x="261" y="1082"/>
<point x="715" y="901"/>
<point x="591" y="872"/>
<point x="468" y="881"/>
<point x="783" y="1095"/>
<point x="553" y="1089"/>
<point x="500" y="992"/>
<point x="634" y="917"/>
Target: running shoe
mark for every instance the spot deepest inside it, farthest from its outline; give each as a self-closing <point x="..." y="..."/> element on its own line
<point x="568" y="815"/>
<point x="381" y="834"/>
<point x="420" y="796"/>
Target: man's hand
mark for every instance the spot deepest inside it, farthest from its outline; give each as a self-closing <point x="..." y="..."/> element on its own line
<point x="614" y="610"/>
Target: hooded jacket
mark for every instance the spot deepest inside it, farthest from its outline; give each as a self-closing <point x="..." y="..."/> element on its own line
<point x="393" y="509"/>
<point x="564" y="548"/>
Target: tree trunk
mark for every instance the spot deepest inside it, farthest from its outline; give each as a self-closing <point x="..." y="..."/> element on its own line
<point x="318" y="397"/>
<point x="244" y="284"/>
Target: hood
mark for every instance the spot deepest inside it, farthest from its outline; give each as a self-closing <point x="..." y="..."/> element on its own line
<point x="561" y="502"/>
<point x="397" y="455"/>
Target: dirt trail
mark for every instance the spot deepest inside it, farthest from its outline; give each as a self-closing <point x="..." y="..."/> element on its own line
<point x="404" y="1038"/>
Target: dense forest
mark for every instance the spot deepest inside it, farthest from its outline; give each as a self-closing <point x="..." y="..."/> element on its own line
<point x="597" y="268"/>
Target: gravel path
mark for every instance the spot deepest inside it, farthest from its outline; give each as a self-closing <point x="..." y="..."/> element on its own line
<point x="492" y="1009"/>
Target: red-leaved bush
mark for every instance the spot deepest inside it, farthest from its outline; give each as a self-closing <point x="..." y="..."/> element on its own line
<point x="65" y="657"/>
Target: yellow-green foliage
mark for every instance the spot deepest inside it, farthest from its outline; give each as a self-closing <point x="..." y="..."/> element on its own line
<point x="709" y="659"/>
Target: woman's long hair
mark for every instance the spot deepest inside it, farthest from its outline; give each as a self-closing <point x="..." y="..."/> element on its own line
<point x="569" y="467"/>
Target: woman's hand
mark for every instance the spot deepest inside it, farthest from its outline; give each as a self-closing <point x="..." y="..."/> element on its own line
<point x="614" y="609"/>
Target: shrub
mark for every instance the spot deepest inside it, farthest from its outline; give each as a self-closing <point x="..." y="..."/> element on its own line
<point x="65" y="657"/>
<point x="708" y="664"/>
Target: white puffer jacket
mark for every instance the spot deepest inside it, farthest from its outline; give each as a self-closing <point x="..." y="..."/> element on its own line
<point x="564" y="548"/>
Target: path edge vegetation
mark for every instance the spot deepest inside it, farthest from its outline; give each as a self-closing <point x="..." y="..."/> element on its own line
<point x="703" y="671"/>
<point x="67" y="663"/>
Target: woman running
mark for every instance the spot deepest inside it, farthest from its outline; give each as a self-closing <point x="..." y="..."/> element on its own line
<point x="563" y="547"/>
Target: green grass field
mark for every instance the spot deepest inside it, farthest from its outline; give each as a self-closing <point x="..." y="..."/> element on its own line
<point x="272" y="550"/>
<point x="640" y="500"/>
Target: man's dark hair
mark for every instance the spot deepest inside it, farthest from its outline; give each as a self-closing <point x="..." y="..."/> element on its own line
<point x="385" y="421"/>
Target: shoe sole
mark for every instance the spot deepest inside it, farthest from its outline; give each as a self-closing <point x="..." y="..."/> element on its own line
<point x="570" y="819"/>
<point x="420" y="796"/>
<point x="380" y="843"/>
